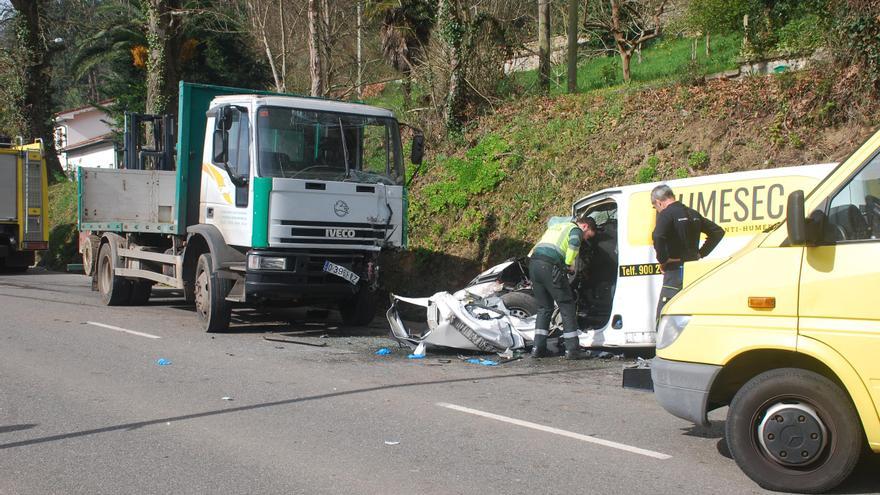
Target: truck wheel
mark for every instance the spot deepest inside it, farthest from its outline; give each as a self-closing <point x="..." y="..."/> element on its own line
<point x="520" y="304"/>
<point x="794" y="430"/>
<point x="360" y="309"/>
<point x="140" y="292"/>
<point x="210" y="294"/>
<point x="115" y="291"/>
<point x="90" y="254"/>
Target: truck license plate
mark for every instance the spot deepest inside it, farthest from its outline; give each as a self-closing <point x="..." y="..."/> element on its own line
<point x="341" y="271"/>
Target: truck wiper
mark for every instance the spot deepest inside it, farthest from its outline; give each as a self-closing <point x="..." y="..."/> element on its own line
<point x="344" y="149"/>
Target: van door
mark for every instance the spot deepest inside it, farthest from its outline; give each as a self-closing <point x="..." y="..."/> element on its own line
<point x="840" y="278"/>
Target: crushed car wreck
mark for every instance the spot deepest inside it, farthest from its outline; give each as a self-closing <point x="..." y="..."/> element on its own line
<point x="474" y="318"/>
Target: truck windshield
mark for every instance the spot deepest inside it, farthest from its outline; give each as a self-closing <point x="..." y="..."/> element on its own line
<point x="308" y="144"/>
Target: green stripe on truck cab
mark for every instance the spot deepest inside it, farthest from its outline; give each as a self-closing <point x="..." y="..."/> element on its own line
<point x="260" y="224"/>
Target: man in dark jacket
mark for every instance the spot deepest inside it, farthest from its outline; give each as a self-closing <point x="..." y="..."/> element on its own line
<point x="677" y="239"/>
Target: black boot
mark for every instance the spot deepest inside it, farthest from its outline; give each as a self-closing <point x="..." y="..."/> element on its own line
<point x="539" y="349"/>
<point x="573" y="349"/>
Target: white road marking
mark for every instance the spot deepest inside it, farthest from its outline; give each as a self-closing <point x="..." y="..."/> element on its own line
<point x="111" y="327"/>
<point x="557" y="431"/>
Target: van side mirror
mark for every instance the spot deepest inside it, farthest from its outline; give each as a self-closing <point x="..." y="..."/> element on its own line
<point x="795" y="220"/>
<point x="418" y="148"/>
<point x="220" y="150"/>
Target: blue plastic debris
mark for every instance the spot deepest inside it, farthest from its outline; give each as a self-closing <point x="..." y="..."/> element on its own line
<point x="163" y="362"/>
<point x="383" y="351"/>
<point x="416" y="356"/>
<point x="482" y="362"/>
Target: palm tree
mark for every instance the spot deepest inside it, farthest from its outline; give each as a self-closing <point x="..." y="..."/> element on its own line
<point x="406" y="29"/>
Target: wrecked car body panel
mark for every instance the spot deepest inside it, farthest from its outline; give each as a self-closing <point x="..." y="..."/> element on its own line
<point x="461" y="321"/>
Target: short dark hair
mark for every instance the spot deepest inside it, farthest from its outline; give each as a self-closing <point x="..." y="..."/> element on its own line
<point x="590" y="223"/>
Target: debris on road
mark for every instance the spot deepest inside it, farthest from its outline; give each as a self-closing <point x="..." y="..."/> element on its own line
<point x="227" y="398"/>
<point x="392" y="442"/>
<point x="163" y="362"/>
<point x="298" y="342"/>
<point x="383" y="351"/>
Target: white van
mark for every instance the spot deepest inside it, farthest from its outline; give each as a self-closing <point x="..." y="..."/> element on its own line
<point x="620" y="279"/>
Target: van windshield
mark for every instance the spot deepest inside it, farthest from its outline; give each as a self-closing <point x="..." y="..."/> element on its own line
<point x="308" y="144"/>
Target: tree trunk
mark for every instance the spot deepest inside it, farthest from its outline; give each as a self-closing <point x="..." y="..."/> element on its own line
<point x="452" y="33"/>
<point x="708" y="49"/>
<point x="625" y="59"/>
<point x="36" y="112"/>
<point x="315" y="71"/>
<point x="360" y="49"/>
<point x="572" y="50"/>
<point x="324" y="46"/>
<point x="163" y="61"/>
<point x="544" y="45"/>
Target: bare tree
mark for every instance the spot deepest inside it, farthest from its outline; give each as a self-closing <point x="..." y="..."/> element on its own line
<point x="629" y="22"/>
<point x="316" y="71"/>
<point x="38" y="50"/>
<point x="572" y="48"/>
<point x="544" y="45"/>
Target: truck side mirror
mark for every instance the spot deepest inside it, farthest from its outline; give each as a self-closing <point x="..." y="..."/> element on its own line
<point x="221" y="146"/>
<point x="795" y="220"/>
<point x="418" y="148"/>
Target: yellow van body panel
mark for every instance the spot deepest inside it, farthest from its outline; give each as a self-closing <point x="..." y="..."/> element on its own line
<point x="727" y="291"/>
<point x="716" y="340"/>
<point x="848" y="375"/>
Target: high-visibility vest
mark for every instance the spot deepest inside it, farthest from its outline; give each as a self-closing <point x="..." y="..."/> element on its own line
<point x="556" y="238"/>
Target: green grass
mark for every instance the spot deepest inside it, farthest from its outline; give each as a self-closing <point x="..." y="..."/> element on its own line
<point x="667" y="60"/>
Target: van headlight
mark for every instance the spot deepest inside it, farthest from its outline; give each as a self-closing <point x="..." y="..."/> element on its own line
<point x="257" y="262"/>
<point x="669" y="328"/>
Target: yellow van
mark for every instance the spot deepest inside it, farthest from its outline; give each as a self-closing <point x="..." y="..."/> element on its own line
<point x="787" y="333"/>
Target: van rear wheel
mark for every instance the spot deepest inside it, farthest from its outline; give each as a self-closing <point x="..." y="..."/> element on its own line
<point x="210" y="296"/>
<point x="794" y="430"/>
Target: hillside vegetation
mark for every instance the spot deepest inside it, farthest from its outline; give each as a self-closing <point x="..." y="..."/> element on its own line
<point x="486" y="196"/>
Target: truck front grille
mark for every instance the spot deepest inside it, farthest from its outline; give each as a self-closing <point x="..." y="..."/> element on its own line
<point x="350" y="234"/>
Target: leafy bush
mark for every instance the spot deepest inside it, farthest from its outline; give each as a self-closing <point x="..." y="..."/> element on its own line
<point x="482" y="169"/>
<point x="698" y="159"/>
<point x="646" y="174"/>
<point x="801" y="36"/>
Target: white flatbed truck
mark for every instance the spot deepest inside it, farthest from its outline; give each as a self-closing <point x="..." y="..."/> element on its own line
<point x="254" y="198"/>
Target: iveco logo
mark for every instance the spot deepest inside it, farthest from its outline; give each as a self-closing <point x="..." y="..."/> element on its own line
<point x="344" y="233"/>
<point x="341" y="208"/>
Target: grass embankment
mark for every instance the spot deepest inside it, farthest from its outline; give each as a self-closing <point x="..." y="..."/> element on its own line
<point x="486" y="196"/>
<point x="62" y="226"/>
<point x="668" y="60"/>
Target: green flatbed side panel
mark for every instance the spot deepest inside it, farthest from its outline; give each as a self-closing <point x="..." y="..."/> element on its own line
<point x="260" y="223"/>
<point x="192" y="105"/>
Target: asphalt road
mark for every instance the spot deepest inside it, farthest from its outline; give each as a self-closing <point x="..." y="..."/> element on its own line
<point x="85" y="408"/>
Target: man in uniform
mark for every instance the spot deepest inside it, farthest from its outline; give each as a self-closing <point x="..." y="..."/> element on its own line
<point x="550" y="262"/>
<point x="677" y="239"/>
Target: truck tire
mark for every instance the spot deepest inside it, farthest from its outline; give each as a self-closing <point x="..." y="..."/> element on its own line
<point x="794" y="430"/>
<point x="140" y="292"/>
<point x="90" y="254"/>
<point x="210" y="296"/>
<point x="360" y="309"/>
<point x="115" y="291"/>
<point x="520" y="304"/>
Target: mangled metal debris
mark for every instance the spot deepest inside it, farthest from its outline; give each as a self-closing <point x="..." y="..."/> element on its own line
<point x="474" y="318"/>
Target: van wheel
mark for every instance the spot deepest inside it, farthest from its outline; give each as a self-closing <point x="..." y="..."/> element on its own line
<point x="520" y="304"/>
<point x="210" y="296"/>
<point x="794" y="430"/>
<point x="140" y="292"/>
<point x="360" y="309"/>
<point x="115" y="290"/>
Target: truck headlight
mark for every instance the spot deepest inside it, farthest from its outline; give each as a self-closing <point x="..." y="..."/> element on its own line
<point x="257" y="262"/>
<point x="669" y="328"/>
